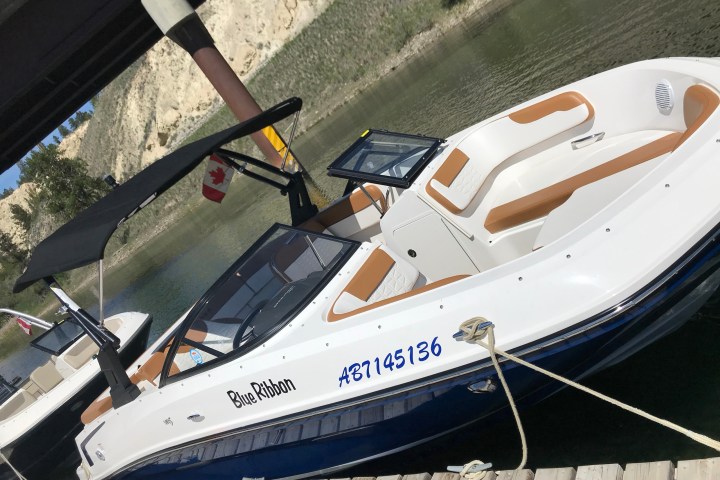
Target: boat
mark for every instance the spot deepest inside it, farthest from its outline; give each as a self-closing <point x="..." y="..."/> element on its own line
<point x="582" y="223"/>
<point x="40" y="416"/>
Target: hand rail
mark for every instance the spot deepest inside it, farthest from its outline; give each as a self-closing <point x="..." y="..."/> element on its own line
<point x="38" y="322"/>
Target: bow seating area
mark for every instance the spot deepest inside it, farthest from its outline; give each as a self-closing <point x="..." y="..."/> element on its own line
<point x="504" y="189"/>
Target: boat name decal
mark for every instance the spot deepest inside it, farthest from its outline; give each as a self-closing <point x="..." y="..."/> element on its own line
<point x="261" y="391"/>
<point x="420" y="352"/>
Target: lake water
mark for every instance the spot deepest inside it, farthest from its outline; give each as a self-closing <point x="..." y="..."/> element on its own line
<point x="487" y="64"/>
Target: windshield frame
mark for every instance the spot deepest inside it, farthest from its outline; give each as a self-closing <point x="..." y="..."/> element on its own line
<point x="178" y="337"/>
<point x="58" y="327"/>
<point x="337" y="168"/>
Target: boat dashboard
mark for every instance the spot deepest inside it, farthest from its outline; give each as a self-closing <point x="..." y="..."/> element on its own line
<point x="258" y="295"/>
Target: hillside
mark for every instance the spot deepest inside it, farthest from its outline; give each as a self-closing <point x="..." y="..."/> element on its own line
<point x="153" y="105"/>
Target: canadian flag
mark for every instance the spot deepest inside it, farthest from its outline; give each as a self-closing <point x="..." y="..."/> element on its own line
<point x="25" y="325"/>
<point x="217" y="179"/>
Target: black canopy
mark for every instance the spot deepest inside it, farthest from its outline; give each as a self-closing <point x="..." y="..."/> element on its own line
<point x="56" y="55"/>
<point x="82" y="240"/>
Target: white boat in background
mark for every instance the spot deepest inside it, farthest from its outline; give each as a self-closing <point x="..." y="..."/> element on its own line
<point x="582" y="223"/>
<point x="41" y="416"/>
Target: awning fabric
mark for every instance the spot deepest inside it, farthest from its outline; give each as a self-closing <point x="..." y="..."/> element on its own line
<point x="82" y="240"/>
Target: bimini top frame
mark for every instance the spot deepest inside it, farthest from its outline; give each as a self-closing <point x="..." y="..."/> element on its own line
<point x="82" y="240"/>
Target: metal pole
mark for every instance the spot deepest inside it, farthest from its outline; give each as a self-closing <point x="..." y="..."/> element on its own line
<point x="38" y="322"/>
<point x="100" y="276"/>
<point x="178" y="20"/>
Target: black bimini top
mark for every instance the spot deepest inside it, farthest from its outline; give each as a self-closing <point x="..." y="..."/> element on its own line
<point x="82" y="240"/>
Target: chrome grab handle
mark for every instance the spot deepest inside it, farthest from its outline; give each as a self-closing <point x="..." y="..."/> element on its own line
<point x="585" y="141"/>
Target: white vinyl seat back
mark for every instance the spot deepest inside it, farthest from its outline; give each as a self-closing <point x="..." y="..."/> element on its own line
<point x="46" y="377"/>
<point x="382" y="276"/>
<point x="459" y="178"/>
<point x="16" y="404"/>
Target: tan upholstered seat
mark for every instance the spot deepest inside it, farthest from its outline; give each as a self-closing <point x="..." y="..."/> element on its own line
<point x="539" y="204"/>
<point x="699" y="103"/>
<point x="332" y="218"/>
<point x="149" y="371"/>
<point x="46" y="377"/>
<point x="16" y="404"/>
<point x="80" y="353"/>
<point x="459" y="178"/>
<point x="381" y="276"/>
<point x="382" y="279"/>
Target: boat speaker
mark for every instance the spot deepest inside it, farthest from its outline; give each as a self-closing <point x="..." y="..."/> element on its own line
<point x="664" y="97"/>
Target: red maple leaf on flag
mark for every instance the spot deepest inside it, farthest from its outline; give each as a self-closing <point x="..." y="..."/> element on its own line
<point x="218" y="176"/>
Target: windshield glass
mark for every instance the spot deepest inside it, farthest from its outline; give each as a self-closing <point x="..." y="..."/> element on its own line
<point x="56" y="340"/>
<point x="387" y="158"/>
<point x="259" y="294"/>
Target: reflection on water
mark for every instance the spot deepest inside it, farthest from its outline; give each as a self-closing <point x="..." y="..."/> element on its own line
<point x="484" y="66"/>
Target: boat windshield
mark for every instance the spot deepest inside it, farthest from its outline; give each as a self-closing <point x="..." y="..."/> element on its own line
<point x="386" y="158"/>
<point x="256" y="297"/>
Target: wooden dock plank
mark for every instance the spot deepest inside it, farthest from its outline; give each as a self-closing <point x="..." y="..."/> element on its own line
<point x="567" y="473"/>
<point x="390" y="477"/>
<point x="515" y="475"/>
<point x="707" y="469"/>
<point x="417" y="476"/>
<point x="600" y="472"/>
<point x="445" y="476"/>
<point x="650" y="471"/>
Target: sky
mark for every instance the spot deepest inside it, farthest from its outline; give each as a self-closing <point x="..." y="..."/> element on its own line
<point x="9" y="178"/>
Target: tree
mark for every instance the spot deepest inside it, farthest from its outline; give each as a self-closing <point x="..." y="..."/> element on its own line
<point x="63" y="186"/>
<point x="9" y="251"/>
<point x="64" y="131"/>
<point x="21" y="216"/>
<point x="6" y="193"/>
<point x="78" y="119"/>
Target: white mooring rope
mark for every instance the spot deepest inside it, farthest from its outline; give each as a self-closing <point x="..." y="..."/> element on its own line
<point x="474" y="331"/>
<point x="19" y="475"/>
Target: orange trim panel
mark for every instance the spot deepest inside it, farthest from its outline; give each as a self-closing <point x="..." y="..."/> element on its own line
<point x="446" y="174"/>
<point x="148" y="371"/>
<point x="345" y="208"/>
<point x="333" y="317"/>
<point x="539" y="204"/>
<point x="698" y="104"/>
<point x="370" y="275"/>
<point x="562" y="102"/>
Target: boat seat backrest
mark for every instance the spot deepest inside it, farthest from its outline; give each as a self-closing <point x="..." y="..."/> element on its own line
<point x="151" y="369"/>
<point x="80" y="353"/>
<point x="699" y="103"/>
<point x="148" y="371"/>
<point x="113" y="324"/>
<point x="459" y="178"/>
<point x="351" y="214"/>
<point x="16" y="404"/>
<point x="381" y="276"/>
<point x="540" y="203"/>
<point x="46" y="377"/>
